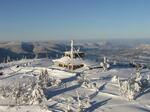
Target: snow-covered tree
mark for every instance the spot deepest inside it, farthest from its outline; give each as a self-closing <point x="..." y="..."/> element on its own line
<point x="83" y="103"/>
<point x="87" y="83"/>
<point x="68" y="105"/>
<point x="133" y="86"/>
<point x="148" y="77"/>
<point x="83" y="79"/>
<point x="115" y="79"/>
<point x="138" y="76"/>
<point x="37" y="95"/>
<point x="28" y="94"/>
<point x="43" y="79"/>
<point x="17" y="94"/>
<point x="5" y="91"/>
<point x="105" y="65"/>
<point x="8" y="59"/>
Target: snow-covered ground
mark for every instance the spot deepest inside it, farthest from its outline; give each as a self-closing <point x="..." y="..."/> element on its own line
<point x="104" y="98"/>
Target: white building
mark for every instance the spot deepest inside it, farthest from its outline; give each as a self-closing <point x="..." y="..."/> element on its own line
<point x="72" y="59"/>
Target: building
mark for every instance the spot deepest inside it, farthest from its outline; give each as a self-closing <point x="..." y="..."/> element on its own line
<point x="72" y="59"/>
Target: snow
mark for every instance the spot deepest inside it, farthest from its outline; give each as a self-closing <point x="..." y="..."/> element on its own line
<point x="67" y="60"/>
<point x="22" y="109"/>
<point x="104" y="98"/>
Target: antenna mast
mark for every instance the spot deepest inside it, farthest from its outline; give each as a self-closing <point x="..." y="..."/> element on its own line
<point x="72" y="54"/>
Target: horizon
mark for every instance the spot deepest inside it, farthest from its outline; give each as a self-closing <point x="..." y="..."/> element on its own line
<point x="119" y="41"/>
<point x="40" y="20"/>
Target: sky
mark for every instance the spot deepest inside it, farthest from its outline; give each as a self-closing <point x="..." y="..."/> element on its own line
<point x="74" y="19"/>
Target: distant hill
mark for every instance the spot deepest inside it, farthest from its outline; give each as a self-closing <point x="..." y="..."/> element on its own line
<point x="29" y="49"/>
<point x="52" y="49"/>
<point x="139" y="52"/>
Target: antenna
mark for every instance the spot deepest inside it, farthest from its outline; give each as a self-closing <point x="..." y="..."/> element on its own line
<point x="72" y="54"/>
<point x="78" y="49"/>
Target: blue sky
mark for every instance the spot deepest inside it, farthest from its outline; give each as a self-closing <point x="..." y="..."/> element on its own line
<point x="74" y="19"/>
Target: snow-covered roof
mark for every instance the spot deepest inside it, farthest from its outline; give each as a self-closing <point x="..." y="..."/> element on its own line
<point x="67" y="60"/>
<point x="69" y="52"/>
<point x="76" y="61"/>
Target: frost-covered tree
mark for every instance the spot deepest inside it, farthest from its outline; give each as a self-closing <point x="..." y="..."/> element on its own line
<point x="148" y="77"/>
<point x="43" y="79"/>
<point x="138" y="76"/>
<point x="5" y="91"/>
<point x="83" y="79"/>
<point x="87" y="83"/>
<point x="83" y="102"/>
<point x="115" y="79"/>
<point x="68" y="101"/>
<point x="105" y="65"/>
<point x="8" y="59"/>
<point x="37" y="94"/>
<point x="17" y="94"/>
<point x="31" y="94"/>
<point x="133" y="86"/>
